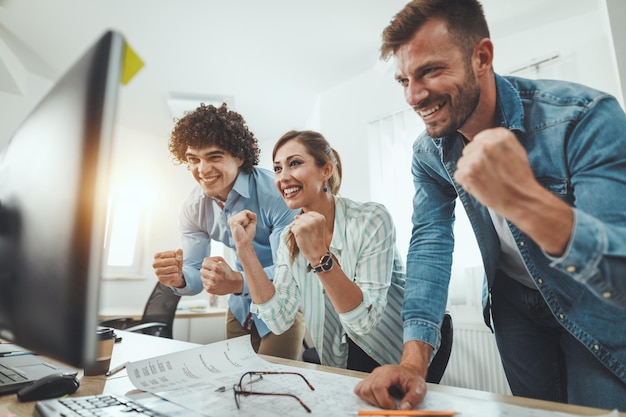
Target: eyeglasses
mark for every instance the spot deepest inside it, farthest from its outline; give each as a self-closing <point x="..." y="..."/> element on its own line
<point x="244" y="387"/>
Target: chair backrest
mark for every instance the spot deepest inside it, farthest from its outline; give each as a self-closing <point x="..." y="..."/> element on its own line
<point x="440" y="362"/>
<point x="161" y="308"/>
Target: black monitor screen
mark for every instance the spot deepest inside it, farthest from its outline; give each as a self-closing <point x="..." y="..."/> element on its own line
<point x="53" y="185"/>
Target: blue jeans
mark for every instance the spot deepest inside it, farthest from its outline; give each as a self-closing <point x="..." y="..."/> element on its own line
<point x="543" y="360"/>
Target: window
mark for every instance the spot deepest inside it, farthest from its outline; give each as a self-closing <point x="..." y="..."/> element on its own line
<point x="126" y="231"/>
<point x="391" y="150"/>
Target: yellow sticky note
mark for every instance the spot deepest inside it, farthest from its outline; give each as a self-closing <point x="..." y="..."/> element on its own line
<point x="131" y="64"/>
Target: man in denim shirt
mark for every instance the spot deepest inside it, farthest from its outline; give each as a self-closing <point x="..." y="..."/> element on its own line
<point x="540" y="168"/>
<point x="221" y="153"/>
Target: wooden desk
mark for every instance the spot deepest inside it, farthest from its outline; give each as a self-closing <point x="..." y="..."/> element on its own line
<point x="201" y="326"/>
<point x="136" y="346"/>
<point x="135" y="313"/>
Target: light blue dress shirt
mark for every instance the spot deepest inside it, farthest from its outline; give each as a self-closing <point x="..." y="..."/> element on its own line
<point x="201" y="220"/>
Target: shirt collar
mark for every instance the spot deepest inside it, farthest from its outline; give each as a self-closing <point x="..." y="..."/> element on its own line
<point x="241" y="188"/>
<point x="242" y="185"/>
<point x="509" y="108"/>
<point x="338" y="239"/>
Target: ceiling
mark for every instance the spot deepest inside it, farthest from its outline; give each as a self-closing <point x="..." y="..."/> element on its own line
<point x="273" y="56"/>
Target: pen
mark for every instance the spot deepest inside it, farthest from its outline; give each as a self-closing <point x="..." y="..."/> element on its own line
<point x="19" y="353"/>
<point x="116" y="369"/>
<point x="423" y="413"/>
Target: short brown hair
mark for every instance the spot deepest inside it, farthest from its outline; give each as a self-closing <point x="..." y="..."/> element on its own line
<point x="465" y="20"/>
<point x="214" y="126"/>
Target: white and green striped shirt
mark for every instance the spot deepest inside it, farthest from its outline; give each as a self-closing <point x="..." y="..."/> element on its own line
<point x="364" y="244"/>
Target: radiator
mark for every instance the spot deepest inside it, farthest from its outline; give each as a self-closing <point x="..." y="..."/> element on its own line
<point x="475" y="361"/>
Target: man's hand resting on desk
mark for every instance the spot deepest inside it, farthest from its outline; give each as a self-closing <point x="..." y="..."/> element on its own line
<point x="218" y="278"/>
<point x="406" y="382"/>
<point x="168" y="267"/>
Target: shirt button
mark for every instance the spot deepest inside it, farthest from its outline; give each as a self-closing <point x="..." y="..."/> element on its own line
<point x="607" y="294"/>
<point x="521" y="243"/>
<point x="561" y="316"/>
<point x="540" y="281"/>
<point x="596" y="347"/>
<point x="571" y="268"/>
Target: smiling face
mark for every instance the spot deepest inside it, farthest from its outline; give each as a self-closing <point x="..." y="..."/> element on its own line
<point x="438" y="79"/>
<point x="215" y="170"/>
<point x="298" y="178"/>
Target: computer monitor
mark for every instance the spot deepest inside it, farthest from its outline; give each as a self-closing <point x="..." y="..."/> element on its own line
<point x="53" y="186"/>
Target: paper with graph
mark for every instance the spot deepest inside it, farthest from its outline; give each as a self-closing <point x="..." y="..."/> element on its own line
<point x="201" y="379"/>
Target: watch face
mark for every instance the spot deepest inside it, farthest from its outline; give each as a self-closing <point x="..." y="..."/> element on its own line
<point x="327" y="263"/>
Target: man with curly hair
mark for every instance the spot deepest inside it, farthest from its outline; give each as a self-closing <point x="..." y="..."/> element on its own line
<point x="221" y="154"/>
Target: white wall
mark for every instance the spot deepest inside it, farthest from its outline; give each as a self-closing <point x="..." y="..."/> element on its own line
<point x="616" y="15"/>
<point x="584" y="44"/>
<point x="345" y="112"/>
<point x="15" y="106"/>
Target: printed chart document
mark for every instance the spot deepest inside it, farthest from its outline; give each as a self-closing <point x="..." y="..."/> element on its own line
<point x="202" y="379"/>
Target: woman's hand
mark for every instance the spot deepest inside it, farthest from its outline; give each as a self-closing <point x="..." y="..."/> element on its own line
<point x="309" y="231"/>
<point x="243" y="227"/>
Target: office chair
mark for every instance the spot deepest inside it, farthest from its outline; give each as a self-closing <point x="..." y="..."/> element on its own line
<point x="437" y="366"/>
<point x="158" y="314"/>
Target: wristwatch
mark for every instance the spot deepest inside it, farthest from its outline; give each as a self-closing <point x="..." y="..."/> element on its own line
<point x="325" y="264"/>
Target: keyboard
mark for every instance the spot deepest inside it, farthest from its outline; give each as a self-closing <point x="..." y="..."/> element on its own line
<point x="9" y="376"/>
<point x="108" y="405"/>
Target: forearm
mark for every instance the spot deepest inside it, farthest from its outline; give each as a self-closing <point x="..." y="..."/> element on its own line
<point x="343" y="293"/>
<point x="416" y="356"/>
<point x="260" y="287"/>
<point x="238" y="285"/>
<point x="192" y="279"/>
<point x="546" y="219"/>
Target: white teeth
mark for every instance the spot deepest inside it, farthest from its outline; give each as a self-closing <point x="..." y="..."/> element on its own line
<point x="209" y="180"/>
<point x="290" y="190"/>
<point x="430" y="111"/>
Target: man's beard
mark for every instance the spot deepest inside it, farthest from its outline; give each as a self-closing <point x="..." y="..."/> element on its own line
<point x="468" y="96"/>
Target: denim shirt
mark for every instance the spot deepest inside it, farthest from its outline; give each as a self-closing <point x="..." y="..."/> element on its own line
<point x="574" y="137"/>
<point x="201" y="220"/>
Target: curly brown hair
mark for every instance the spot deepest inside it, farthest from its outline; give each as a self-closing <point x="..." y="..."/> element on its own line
<point x="214" y="126"/>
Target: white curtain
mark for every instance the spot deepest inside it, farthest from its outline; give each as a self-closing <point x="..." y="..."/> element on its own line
<point x="390" y="139"/>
